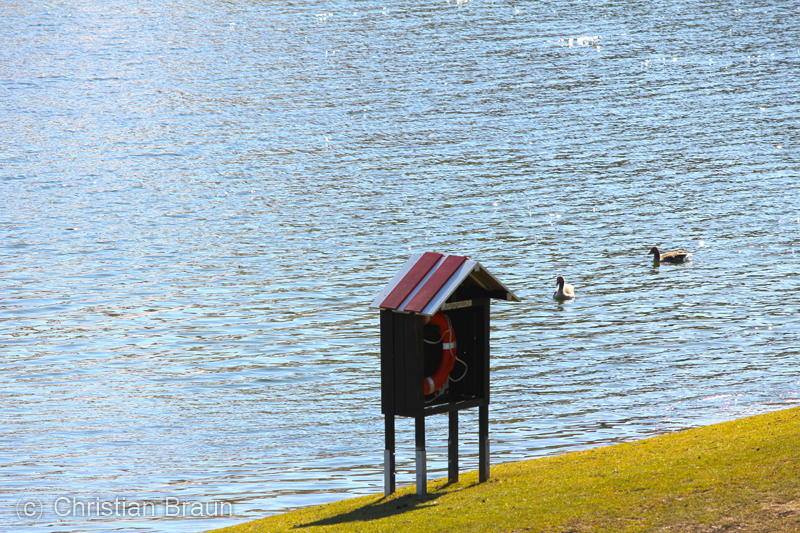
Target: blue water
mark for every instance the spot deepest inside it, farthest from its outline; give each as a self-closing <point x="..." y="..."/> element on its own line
<point x="199" y="202"/>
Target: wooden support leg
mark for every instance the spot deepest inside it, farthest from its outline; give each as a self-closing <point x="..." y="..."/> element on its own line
<point x="483" y="443"/>
<point x="388" y="458"/>
<point x="452" y="448"/>
<point x="422" y="468"/>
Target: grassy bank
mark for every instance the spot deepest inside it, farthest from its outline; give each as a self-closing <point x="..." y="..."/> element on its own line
<point x="741" y="475"/>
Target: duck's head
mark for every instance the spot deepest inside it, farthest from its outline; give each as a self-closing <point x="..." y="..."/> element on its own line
<point x="654" y="251"/>
<point x="560" y="281"/>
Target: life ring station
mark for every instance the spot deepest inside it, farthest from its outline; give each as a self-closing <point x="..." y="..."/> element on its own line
<point x="435" y="353"/>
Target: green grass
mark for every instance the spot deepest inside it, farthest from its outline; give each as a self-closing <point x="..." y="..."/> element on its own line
<point x="739" y="475"/>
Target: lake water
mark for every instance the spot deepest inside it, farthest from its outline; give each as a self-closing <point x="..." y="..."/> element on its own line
<point x="198" y="202"/>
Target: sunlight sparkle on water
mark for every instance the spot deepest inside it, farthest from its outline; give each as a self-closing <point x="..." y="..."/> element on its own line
<point x="184" y="297"/>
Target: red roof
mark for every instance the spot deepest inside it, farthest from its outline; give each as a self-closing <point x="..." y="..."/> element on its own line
<point x="428" y="279"/>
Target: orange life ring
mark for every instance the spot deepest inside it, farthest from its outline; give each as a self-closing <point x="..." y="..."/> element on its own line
<point x="435" y="381"/>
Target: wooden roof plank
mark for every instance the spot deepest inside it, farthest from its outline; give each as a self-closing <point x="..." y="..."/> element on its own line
<point x="421" y="284"/>
<point x="395" y="280"/>
<point x="410" y="280"/>
<point x="449" y="288"/>
<point x="435" y="283"/>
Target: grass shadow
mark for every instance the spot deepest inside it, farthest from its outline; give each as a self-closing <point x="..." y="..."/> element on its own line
<point x="385" y="508"/>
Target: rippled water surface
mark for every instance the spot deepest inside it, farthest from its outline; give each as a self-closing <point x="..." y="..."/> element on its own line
<point x="200" y="200"/>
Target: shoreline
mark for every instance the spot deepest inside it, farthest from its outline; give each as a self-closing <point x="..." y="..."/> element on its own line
<point x="742" y="473"/>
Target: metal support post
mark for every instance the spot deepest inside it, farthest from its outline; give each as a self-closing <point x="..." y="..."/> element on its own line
<point x="388" y="458"/>
<point x="483" y="443"/>
<point x="422" y="468"/>
<point x="452" y="448"/>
